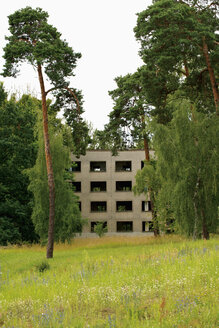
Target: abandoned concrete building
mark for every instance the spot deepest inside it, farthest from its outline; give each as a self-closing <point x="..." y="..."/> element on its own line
<point x="104" y="185"/>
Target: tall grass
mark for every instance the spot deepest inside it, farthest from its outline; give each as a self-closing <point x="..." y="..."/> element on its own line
<point x="112" y="282"/>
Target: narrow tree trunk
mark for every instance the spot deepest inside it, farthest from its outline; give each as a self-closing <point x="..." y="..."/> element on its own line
<point x="195" y="196"/>
<point x="211" y="74"/>
<point x="186" y="68"/>
<point x="205" y="232"/>
<point x="50" y="175"/>
<point x="146" y="149"/>
<point x="195" y="232"/>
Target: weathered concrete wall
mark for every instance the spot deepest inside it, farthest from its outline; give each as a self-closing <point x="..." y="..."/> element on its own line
<point x="111" y="195"/>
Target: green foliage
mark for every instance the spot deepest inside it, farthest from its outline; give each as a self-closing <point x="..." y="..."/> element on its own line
<point x="128" y="120"/>
<point x="9" y="233"/>
<point x="100" y="139"/>
<point x="188" y="165"/>
<point x="67" y="214"/>
<point x="72" y="112"/>
<point x="43" y="266"/>
<point x="17" y="152"/>
<point x="172" y="35"/>
<point x="147" y="178"/>
<point x="121" y="208"/>
<point x="99" y="229"/>
<point x="37" y="42"/>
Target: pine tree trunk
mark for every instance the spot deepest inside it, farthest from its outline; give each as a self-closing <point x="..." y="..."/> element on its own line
<point x="211" y="74"/>
<point x="146" y="149"/>
<point x="50" y="175"/>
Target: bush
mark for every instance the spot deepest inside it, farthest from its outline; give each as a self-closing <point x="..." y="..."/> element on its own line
<point x="43" y="266"/>
<point x="99" y="229"/>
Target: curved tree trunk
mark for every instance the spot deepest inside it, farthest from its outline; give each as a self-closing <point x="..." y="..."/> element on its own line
<point x="50" y="175"/>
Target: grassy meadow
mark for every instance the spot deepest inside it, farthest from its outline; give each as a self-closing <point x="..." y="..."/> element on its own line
<point x="167" y="282"/>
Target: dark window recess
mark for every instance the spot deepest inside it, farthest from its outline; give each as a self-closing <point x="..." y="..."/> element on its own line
<point x="98" y="186"/>
<point x="76" y="186"/>
<point x="123" y="185"/>
<point x="98" y="166"/>
<point x="142" y="164"/>
<point x="93" y="224"/>
<point x="147" y="226"/>
<point x="98" y="207"/>
<point x="146" y="206"/>
<point x="123" y="206"/>
<point x="123" y="166"/>
<point x="76" y="166"/>
<point x="79" y="206"/>
<point x="126" y="226"/>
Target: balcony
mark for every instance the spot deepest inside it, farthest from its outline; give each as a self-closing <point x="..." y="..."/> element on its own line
<point x="146" y="206"/>
<point x="76" y="186"/>
<point x="97" y="186"/>
<point x="76" y="166"/>
<point x="123" y="185"/>
<point x="93" y="224"/>
<point x="124" y="206"/>
<point x="123" y="166"/>
<point x="97" y="166"/>
<point x="98" y="207"/>
<point x="126" y="226"/>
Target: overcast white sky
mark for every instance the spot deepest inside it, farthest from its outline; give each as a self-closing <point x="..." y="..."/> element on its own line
<point x="102" y="30"/>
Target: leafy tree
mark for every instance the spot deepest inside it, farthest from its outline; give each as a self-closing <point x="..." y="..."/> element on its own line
<point x="33" y="40"/>
<point x="9" y="233"/>
<point x="188" y="165"/>
<point x="100" y="139"/>
<point x="179" y="48"/>
<point x="130" y="114"/>
<point x="179" y="45"/>
<point x="72" y="112"/>
<point x="148" y="183"/>
<point x="67" y="214"/>
<point x="17" y="152"/>
<point x="130" y="111"/>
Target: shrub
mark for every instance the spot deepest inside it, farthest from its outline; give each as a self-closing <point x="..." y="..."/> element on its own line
<point x="99" y="229"/>
<point x="43" y="266"/>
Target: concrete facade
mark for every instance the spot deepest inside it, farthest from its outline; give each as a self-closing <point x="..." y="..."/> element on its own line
<point x="115" y="179"/>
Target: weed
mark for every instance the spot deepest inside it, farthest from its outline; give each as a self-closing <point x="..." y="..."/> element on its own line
<point x="43" y="266"/>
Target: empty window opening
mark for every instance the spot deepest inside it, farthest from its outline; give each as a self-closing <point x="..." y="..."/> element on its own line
<point x="76" y="186"/>
<point x="123" y="206"/>
<point x="98" y="186"/>
<point x="146" y="206"/>
<point x="76" y="166"/>
<point x="98" y="166"/>
<point x="123" y="185"/>
<point x="79" y="206"/>
<point x="126" y="226"/>
<point x="98" y="207"/>
<point x="123" y="166"/>
<point x="147" y="226"/>
<point x="93" y="224"/>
